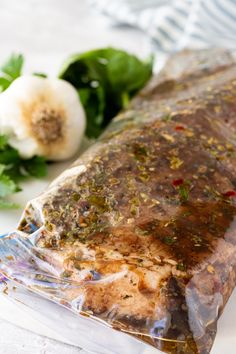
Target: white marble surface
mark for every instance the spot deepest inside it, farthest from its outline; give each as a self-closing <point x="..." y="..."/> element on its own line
<point x="15" y="340"/>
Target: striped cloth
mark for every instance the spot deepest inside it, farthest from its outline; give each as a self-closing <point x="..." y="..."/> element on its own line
<point x="176" y="24"/>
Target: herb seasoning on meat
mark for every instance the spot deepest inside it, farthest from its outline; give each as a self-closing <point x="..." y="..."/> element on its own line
<point x="144" y="221"/>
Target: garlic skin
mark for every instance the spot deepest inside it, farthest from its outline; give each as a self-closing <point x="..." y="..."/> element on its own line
<point x="42" y="117"/>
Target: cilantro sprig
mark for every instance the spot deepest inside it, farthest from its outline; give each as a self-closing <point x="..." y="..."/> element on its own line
<point x="14" y="169"/>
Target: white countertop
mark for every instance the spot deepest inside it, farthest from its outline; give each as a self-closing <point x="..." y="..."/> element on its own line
<point x="15" y="340"/>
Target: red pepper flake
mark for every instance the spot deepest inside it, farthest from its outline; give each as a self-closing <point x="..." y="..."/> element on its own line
<point x="229" y="194"/>
<point x="179" y="127"/>
<point x="177" y="182"/>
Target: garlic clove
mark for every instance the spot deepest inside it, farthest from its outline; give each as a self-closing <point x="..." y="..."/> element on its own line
<point x="42" y="117"/>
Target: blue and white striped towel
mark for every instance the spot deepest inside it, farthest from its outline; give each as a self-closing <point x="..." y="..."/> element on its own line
<point x="176" y="24"/>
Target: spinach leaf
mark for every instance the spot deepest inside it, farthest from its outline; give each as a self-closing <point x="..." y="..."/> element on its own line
<point x="106" y="79"/>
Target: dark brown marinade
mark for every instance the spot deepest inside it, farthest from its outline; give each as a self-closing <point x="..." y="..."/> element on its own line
<point x="157" y="198"/>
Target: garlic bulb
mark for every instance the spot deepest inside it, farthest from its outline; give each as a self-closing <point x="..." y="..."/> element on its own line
<point x="42" y="117"/>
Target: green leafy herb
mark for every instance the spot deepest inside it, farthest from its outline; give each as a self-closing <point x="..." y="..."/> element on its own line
<point x="36" y="166"/>
<point x="13" y="169"/>
<point x="3" y="141"/>
<point x="106" y="80"/>
<point x="183" y="190"/>
<point x="6" y="204"/>
<point x="182" y="267"/>
<point x="168" y="240"/>
<point x="167" y="117"/>
<point x="7" y="186"/>
<point x="11" y="70"/>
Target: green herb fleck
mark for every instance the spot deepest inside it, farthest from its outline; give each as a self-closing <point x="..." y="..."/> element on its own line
<point x="144" y="176"/>
<point x="99" y="202"/>
<point x="140" y="152"/>
<point x="183" y="190"/>
<point x="182" y="267"/>
<point x="167" y="118"/>
<point x="66" y="274"/>
<point x="168" y="240"/>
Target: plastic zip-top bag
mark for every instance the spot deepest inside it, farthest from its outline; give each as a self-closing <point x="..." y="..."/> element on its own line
<point x="54" y="320"/>
<point x="139" y="234"/>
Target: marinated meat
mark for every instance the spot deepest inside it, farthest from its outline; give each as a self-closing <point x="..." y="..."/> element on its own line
<point x="143" y="224"/>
